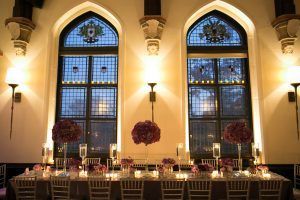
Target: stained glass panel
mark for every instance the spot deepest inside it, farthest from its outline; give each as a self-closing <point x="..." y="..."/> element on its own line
<point x="92" y="32"/>
<point x="75" y="69"/>
<point x="202" y="101"/>
<point x="204" y="134"/>
<point x="73" y="102"/>
<point x="104" y="102"/>
<point x="232" y="100"/>
<point x="105" y="69"/>
<point x="102" y="134"/>
<point x="201" y="70"/>
<point x="231" y="70"/>
<point x="213" y="31"/>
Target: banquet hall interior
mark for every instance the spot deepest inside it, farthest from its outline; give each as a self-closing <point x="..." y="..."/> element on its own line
<point x="170" y="99"/>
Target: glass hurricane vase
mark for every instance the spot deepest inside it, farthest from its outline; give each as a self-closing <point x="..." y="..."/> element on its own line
<point x="65" y="158"/>
<point x="239" y="154"/>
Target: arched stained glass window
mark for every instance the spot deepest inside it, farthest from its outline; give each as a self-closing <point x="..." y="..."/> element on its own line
<point x="92" y="32"/>
<point x="87" y="87"/>
<point x="214" y="31"/>
<point x="218" y="83"/>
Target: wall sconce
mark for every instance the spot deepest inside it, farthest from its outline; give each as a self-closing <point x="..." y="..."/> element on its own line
<point x="293" y="97"/>
<point x="152" y="98"/>
<point x="13" y="80"/>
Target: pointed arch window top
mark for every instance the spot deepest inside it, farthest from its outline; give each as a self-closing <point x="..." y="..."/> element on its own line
<point x="213" y="31"/>
<point x="92" y="32"/>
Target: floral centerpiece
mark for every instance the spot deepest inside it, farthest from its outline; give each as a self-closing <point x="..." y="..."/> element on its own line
<point x="146" y="132"/>
<point x="238" y="133"/>
<point x="97" y="169"/>
<point x="168" y="162"/>
<point x="65" y="131"/>
<point x="126" y="161"/>
<point x="206" y="167"/>
<point x="226" y="165"/>
<point x="263" y="168"/>
<point x="37" y="168"/>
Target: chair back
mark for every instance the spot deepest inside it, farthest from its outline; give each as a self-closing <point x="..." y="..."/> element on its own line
<point x="270" y="189"/>
<point x="236" y="163"/>
<point x="199" y="189"/>
<point x="99" y="188"/>
<point x="60" y="187"/>
<point x="172" y="188"/>
<point x="2" y="175"/>
<point x="238" y="189"/>
<point x="185" y="166"/>
<point x="113" y="163"/>
<point x="212" y="162"/>
<point x="296" y="175"/>
<point x="132" y="189"/>
<point x="92" y="161"/>
<point x="59" y="162"/>
<point x="25" y="187"/>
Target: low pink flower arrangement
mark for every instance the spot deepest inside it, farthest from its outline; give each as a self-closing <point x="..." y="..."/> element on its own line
<point x="226" y="165"/>
<point x="37" y="167"/>
<point x="263" y="168"/>
<point x="146" y="132"/>
<point x="168" y="162"/>
<point x="195" y="169"/>
<point x="66" y="131"/>
<point x="237" y="133"/>
<point x="127" y="161"/>
<point x="100" y="168"/>
<point x="206" y="167"/>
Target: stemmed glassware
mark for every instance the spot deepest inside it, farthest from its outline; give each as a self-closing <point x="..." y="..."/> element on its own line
<point x="179" y="154"/>
<point x="217" y="153"/>
<point x="113" y="153"/>
<point x="83" y="154"/>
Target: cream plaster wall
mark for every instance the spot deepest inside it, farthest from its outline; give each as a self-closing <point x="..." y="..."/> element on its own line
<point x="32" y="114"/>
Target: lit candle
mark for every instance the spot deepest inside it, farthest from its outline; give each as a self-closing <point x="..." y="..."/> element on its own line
<point x="113" y="151"/>
<point x="216" y="150"/>
<point x="83" y="150"/>
<point x="137" y="174"/>
<point x="247" y="173"/>
<point x="155" y="173"/>
<point x="267" y="175"/>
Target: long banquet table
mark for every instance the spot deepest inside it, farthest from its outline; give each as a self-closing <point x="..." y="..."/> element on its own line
<point x="152" y="190"/>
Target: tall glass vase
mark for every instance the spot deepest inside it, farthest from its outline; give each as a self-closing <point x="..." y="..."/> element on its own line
<point x="65" y="158"/>
<point x="240" y="160"/>
<point x="146" y="158"/>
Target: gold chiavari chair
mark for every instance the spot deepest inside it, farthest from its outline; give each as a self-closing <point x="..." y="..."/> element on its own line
<point x="238" y="189"/>
<point x="296" y="181"/>
<point x="25" y="187"/>
<point x="59" y="162"/>
<point x="236" y="163"/>
<point x="199" y="189"/>
<point x="212" y="162"/>
<point x="270" y="189"/>
<point x="60" y="187"/>
<point x="186" y="166"/>
<point x="2" y="181"/>
<point x="99" y="188"/>
<point x="132" y="189"/>
<point x="92" y="161"/>
<point x="172" y="188"/>
<point x="116" y="164"/>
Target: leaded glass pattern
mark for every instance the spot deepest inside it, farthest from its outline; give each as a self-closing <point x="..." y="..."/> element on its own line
<point x="201" y="70"/>
<point x="202" y="101"/>
<point x="198" y="36"/>
<point x="75" y="69"/>
<point x="102" y="133"/>
<point x="232" y="100"/>
<point x="231" y="70"/>
<point x="104" y="69"/>
<point x="204" y="134"/>
<point x="108" y="37"/>
<point x="88" y="84"/>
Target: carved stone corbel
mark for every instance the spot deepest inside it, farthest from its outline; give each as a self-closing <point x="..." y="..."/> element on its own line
<point x="153" y="27"/>
<point x="20" y="29"/>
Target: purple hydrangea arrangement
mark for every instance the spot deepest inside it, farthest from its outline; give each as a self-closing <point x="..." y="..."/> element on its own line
<point x="237" y="133"/>
<point x="66" y="131"/>
<point x="146" y="132"/>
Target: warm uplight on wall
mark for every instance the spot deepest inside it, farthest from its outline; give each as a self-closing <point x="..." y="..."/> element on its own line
<point x="293" y="77"/>
<point x="13" y="79"/>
